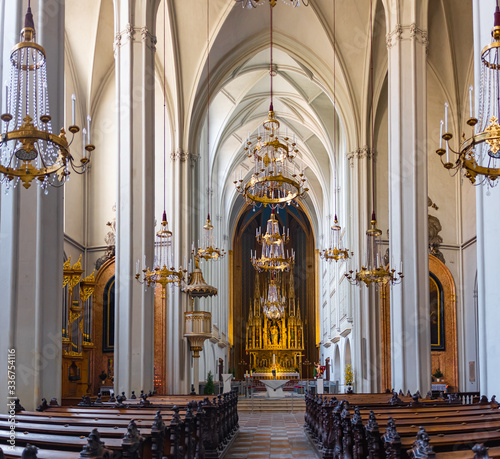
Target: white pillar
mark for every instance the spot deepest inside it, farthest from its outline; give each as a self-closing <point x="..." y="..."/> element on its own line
<point x="135" y="79"/>
<point x="408" y="239"/>
<point x="365" y="357"/>
<point x="488" y="227"/>
<point x="31" y="237"/>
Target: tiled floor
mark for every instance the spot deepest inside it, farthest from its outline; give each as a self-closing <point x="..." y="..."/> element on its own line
<point x="271" y="435"/>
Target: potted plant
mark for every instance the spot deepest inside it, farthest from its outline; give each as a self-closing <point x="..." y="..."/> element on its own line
<point x="348" y="378"/>
<point x="438" y="375"/>
<point x="209" y="386"/>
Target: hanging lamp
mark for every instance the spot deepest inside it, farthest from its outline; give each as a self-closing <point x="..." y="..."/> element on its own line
<point x="28" y="148"/>
<point x="163" y="272"/>
<point x="335" y="251"/>
<point x="478" y="157"/>
<point x="208" y="249"/>
<point x="275" y="182"/>
<point x="373" y="272"/>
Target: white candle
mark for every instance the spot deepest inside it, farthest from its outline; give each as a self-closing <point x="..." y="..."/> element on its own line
<point x="88" y="127"/>
<point x="84" y="131"/>
<point x="137" y="267"/>
<point x="446" y="116"/>
<point x="73" y="100"/>
<point x="447" y="153"/>
<point x="144" y="262"/>
<point x="274" y="359"/>
<point x="470" y="100"/>
<point x="441" y="135"/>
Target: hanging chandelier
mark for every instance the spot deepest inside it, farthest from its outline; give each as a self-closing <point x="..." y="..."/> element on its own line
<point x="273" y="256"/>
<point x="479" y="155"/>
<point x="274" y="182"/>
<point x="374" y="271"/>
<point x="28" y="148"/>
<point x="335" y="252"/>
<point x="163" y="272"/>
<point x="274" y="305"/>
<point x="256" y="3"/>
<point x="208" y="249"/>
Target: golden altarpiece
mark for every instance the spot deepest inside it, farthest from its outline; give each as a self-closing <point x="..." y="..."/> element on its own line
<point x="275" y="343"/>
<point x="76" y="330"/>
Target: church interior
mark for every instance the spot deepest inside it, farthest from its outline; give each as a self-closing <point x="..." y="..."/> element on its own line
<point x="265" y="189"/>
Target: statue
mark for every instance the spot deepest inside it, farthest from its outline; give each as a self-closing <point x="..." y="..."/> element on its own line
<point x="274" y="335"/>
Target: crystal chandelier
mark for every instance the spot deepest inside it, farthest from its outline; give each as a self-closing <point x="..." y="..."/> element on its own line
<point x="479" y="155"/>
<point x="28" y="148"/>
<point x="208" y="250"/>
<point x="163" y="272"/>
<point x="335" y="252"/>
<point x="273" y="256"/>
<point x="274" y="181"/>
<point x="274" y="305"/>
<point x="374" y="271"/>
<point x="256" y="3"/>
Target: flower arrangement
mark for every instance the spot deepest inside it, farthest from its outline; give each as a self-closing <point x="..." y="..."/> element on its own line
<point x="348" y="375"/>
<point x="438" y="374"/>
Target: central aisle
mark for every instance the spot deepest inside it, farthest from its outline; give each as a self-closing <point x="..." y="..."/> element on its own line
<point x="271" y="435"/>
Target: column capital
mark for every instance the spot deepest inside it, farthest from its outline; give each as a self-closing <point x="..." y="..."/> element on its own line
<point x="183" y="156"/>
<point x="407" y="32"/>
<point x="134" y="34"/>
<point x="360" y="153"/>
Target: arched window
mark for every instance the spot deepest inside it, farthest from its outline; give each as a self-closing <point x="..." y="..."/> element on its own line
<point x="437" y="313"/>
<point x="108" y="319"/>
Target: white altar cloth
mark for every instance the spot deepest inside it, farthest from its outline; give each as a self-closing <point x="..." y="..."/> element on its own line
<point x="226" y="378"/>
<point x="274" y="387"/>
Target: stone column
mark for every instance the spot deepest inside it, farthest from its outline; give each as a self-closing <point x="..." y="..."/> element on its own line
<point x="135" y="78"/>
<point x="365" y="347"/>
<point x="488" y="226"/>
<point x="178" y="355"/>
<point x="408" y="239"/>
<point x="31" y="236"/>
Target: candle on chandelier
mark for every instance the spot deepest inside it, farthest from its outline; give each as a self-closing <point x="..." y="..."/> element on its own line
<point x="89" y="119"/>
<point x="137" y="265"/>
<point x="441" y="135"/>
<point x="73" y="101"/>
<point x="447" y="153"/>
<point x="446" y="116"/>
<point x="84" y="131"/>
<point x="470" y="100"/>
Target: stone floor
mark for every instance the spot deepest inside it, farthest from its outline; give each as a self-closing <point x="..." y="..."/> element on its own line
<point x="271" y="435"/>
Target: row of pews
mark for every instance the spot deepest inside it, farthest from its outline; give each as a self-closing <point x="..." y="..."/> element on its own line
<point x="353" y="428"/>
<point x="161" y="427"/>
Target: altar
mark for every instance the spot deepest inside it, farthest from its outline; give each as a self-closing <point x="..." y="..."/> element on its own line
<point x="279" y="375"/>
<point x="274" y="387"/>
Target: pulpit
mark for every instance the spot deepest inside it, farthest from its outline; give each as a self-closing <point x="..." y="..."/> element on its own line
<point x="274" y="387"/>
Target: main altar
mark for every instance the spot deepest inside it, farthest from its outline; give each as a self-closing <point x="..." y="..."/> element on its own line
<point x="275" y="343"/>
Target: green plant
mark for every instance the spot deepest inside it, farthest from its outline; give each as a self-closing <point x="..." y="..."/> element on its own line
<point x="209" y="386"/>
<point x="438" y="373"/>
<point x="348" y="375"/>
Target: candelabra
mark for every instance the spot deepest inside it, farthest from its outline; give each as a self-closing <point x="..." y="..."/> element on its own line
<point x="28" y="148"/>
